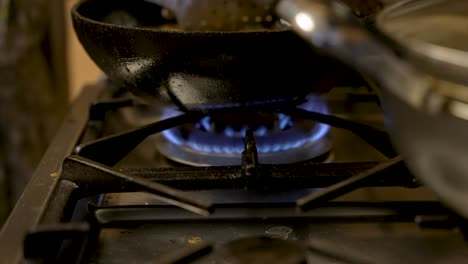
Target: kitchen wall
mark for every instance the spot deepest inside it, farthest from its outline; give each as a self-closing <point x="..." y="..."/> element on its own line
<point x="81" y="69"/>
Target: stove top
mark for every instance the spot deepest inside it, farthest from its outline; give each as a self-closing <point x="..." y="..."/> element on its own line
<point x="318" y="183"/>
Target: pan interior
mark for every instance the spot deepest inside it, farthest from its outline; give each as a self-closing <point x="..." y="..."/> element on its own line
<point x="121" y="13"/>
<point x="440" y="23"/>
<point x="147" y="15"/>
<point x="431" y="34"/>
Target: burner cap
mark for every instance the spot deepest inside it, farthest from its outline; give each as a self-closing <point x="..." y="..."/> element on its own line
<point x="262" y="250"/>
<point x="218" y="139"/>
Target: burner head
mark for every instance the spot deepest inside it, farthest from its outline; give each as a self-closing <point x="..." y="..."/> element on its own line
<point x="262" y="250"/>
<point x="218" y="139"/>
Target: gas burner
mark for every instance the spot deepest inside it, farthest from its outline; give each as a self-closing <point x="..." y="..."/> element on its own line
<point x="217" y="139"/>
<point x="262" y="250"/>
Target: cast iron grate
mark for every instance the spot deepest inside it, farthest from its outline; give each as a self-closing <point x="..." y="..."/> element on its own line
<point x="89" y="172"/>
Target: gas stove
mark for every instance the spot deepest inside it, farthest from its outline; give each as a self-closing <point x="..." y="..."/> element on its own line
<point x="125" y="182"/>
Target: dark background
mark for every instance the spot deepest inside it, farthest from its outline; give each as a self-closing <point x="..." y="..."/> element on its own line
<point x="33" y="89"/>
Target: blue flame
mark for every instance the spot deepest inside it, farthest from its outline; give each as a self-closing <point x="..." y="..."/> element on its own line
<point x="261" y="131"/>
<point x="230" y="142"/>
<point x="205" y="123"/>
<point x="230" y="132"/>
<point x="284" y="121"/>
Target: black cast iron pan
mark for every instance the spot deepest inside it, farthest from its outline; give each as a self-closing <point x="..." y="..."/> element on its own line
<point x="200" y="70"/>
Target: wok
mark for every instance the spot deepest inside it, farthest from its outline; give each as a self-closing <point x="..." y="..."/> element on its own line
<point x="419" y="58"/>
<point x="200" y="70"/>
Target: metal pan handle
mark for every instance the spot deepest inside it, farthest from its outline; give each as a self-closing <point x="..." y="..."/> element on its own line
<point x="331" y="27"/>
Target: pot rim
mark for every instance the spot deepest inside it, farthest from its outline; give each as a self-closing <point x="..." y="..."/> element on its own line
<point x="444" y="69"/>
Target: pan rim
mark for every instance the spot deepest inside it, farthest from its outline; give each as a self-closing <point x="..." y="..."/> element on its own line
<point x="77" y="15"/>
<point x="443" y="61"/>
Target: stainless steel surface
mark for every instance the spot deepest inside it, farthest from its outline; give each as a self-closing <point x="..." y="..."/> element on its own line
<point x="436" y="41"/>
<point x="422" y="90"/>
<point x="333" y="28"/>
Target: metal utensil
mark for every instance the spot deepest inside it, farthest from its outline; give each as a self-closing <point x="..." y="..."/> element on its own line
<point x="423" y="90"/>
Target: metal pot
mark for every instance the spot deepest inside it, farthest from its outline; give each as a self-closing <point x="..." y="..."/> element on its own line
<point x="419" y="59"/>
